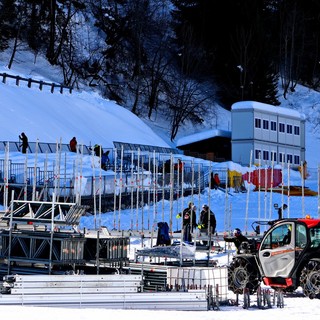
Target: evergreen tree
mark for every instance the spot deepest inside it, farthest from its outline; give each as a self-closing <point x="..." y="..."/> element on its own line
<point x="8" y="22"/>
<point x="233" y="34"/>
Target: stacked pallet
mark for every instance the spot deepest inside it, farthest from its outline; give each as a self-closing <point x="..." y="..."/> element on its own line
<point x="116" y="291"/>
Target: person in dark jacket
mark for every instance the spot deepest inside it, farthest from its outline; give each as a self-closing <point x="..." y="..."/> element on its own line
<point x="97" y="150"/>
<point x="189" y="221"/>
<point x="167" y="166"/>
<point x="73" y="144"/>
<point x="24" y="143"/>
<point x="203" y="224"/>
<point x="105" y="161"/>
<point x="238" y="238"/>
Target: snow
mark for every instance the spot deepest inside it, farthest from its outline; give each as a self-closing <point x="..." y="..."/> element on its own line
<point x="203" y="136"/>
<point x="295" y="309"/>
<point x="243" y="105"/>
<point x="51" y="117"/>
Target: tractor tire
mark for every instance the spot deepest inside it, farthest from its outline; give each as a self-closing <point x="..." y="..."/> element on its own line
<point x="310" y="279"/>
<point x="242" y="275"/>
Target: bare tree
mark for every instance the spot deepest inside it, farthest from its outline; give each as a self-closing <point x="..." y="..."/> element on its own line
<point x="52" y="33"/>
<point x="155" y="80"/>
<point x="186" y="101"/>
<point x="186" y="95"/>
<point x="289" y="52"/>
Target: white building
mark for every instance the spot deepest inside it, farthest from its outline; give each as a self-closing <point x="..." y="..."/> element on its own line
<point x="272" y="134"/>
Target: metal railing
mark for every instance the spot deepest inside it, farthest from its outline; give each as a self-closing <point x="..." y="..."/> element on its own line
<point x="136" y="175"/>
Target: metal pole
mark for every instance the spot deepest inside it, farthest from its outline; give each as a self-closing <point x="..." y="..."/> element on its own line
<point x="248" y="193"/>
<point x="100" y="194"/>
<point x="319" y="191"/>
<point x="137" y="192"/>
<point x="35" y="172"/>
<point x="271" y="185"/>
<point x="94" y="190"/>
<point x="302" y="189"/>
<point x="45" y="179"/>
<point x="25" y="193"/>
<point x="115" y="189"/>
<point x="259" y="188"/>
<point x="51" y="232"/>
<point x="6" y="178"/>
<point x="171" y="193"/>
<point x="98" y="252"/>
<point x="10" y="233"/>
<point x="265" y="191"/>
<point x="120" y="188"/>
<point x="132" y="192"/>
<point x="163" y="188"/>
<point x="288" y="190"/>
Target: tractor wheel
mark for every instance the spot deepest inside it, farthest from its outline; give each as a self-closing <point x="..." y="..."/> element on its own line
<point x="310" y="279"/>
<point x="242" y="275"/>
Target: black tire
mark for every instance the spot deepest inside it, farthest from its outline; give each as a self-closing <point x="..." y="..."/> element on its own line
<point x="310" y="279"/>
<point x="242" y="274"/>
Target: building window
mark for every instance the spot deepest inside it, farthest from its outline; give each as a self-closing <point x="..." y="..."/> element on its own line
<point x="289" y="158"/>
<point x="281" y="157"/>
<point x="257" y="123"/>
<point x="296" y="130"/>
<point x="281" y="127"/>
<point x="265" y="124"/>
<point x="296" y="159"/>
<point x="289" y="128"/>
<point x="273" y="126"/>
<point x="273" y="156"/>
<point x="265" y="155"/>
<point x="257" y="154"/>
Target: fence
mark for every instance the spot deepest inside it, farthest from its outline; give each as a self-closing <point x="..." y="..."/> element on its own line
<point x="41" y="147"/>
<point x="30" y="81"/>
<point x="138" y="175"/>
<point x="129" y="149"/>
<point x="124" y="181"/>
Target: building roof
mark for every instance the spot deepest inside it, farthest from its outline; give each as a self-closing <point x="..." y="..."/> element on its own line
<point x="204" y="135"/>
<point x="244" y="105"/>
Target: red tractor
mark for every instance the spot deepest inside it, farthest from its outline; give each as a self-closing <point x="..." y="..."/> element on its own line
<point x="287" y="257"/>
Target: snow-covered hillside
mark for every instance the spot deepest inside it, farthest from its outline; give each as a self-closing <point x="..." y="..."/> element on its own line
<point x="84" y="114"/>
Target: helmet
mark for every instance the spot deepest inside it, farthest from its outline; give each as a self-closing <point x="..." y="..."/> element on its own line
<point x="236" y="231"/>
<point x="205" y="206"/>
<point x="190" y="204"/>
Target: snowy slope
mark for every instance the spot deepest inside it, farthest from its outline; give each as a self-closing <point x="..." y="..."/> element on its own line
<point x="51" y="117"/>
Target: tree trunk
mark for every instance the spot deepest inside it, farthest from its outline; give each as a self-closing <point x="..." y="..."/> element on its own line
<point x="15" y="46"/>
<point x="50" y="52"/>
